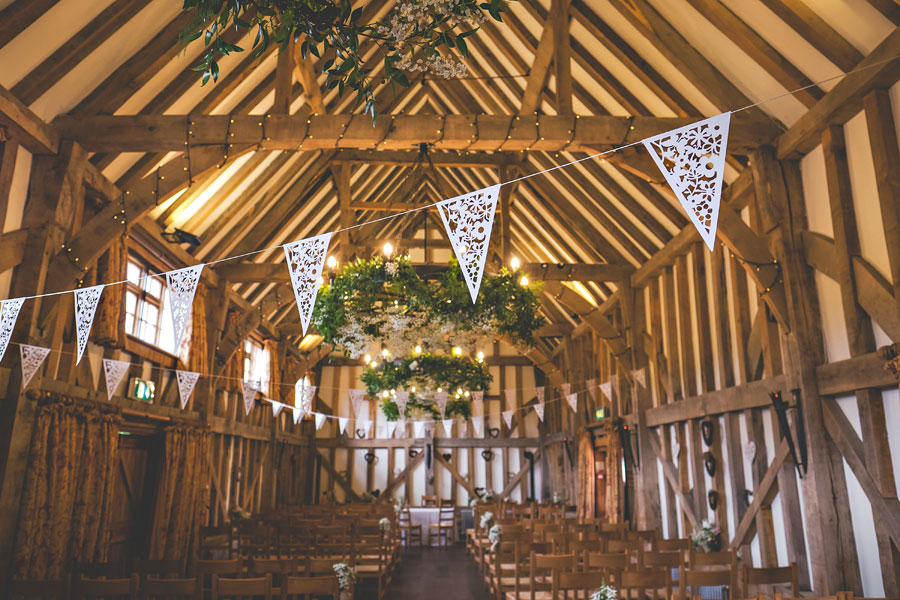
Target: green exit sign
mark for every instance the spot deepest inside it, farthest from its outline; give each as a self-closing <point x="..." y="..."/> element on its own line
<point x="142" y="389"/>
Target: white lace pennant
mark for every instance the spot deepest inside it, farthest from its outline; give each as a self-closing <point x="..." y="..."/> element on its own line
<point x="448" y="427"/>
<point x="182" y="285"/>
<point x="478" y="426"/>
<point x="32" y="359"/>
<point x="391" y="428"/>
<point x="508" y="417"/>
<point x="298" y="413"/>
<point x="305" y="260"/>
<point x="640" y="376"/>
<point x="468" y="220"/>
<point x="320" y="420"/>
<point x="572" y="399"/>
<point x="86" y="300"/>
<point x="478" y="402"/>
<point x="307" y="395"/>
<point x="186" y="382"/>
<point x="342" y="424"/>
<point x="402" y="399"/>
<point x="566" y="388"/>
<point x="9" y="313"/>
<point x="114" y="371"/>
<point x="440" y="398"/>
<point x="419" y="428"/>
<point x="357" y="397"/>
<point x="592" y="388"/>
<point x="462" y="427"/>
<point x="606" y="388"/>
<point x="539" y="409"/>
<point x="249" y="389"/>
<point x="692" y="159"/>
<point x="277" y="407"/>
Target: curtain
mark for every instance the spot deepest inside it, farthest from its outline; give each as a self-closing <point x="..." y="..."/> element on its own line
<point x="66" y="504"/>
<point x="233" y="373"/>
<point x="182" y="492"/>
<point x="614" y="487"/>
<point x="586" y="492"/>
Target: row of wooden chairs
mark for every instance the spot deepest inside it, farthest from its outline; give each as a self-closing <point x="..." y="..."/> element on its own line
<point x="133" y="588"/>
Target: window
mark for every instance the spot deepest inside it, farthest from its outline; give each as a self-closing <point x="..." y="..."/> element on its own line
<point x="148" y="316"/>
<point x="256" y="364"/>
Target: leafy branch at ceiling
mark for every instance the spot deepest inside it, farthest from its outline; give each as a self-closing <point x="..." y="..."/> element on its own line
<point x="417" y="35"/>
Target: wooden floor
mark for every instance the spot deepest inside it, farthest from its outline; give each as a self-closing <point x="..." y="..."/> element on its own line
<point x="436" y="573"/>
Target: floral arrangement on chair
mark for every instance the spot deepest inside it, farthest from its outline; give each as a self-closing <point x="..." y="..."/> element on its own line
<point x="346" y="575"/>
<point x="559" y="499"/>
<point x="401" y="504"/>
<point x="385" y="525"/>
<point x="494" y="536"/>
<point x="238" y="514"/>
<point x="708" y="538"/>
<point x="486" y="519"/>
<point x="604" y="592"/>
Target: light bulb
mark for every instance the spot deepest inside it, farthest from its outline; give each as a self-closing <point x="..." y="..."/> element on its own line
<point x="385" y="352"/>
<point x="480" y="356"/>
<point x="388" y="249"/>
<point x="321" y="280"/>
<point x="332" y="262"/>
<point x="524" y="281"/>
<point x="418" y="349"/>
<point x="466" y="394"/>
<point x="367" y="358"/>
<point x="514" y="264"/>
<point x="440" y="390"/>
<point x="413" y="389"/>
<point x="458" y="391"/>
<point x="385" y="394"/>
<point x="457" y="351"/>
<point x="374" y="364"/>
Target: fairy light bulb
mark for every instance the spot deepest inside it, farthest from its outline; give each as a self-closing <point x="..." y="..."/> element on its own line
<point x="385" y="352"/>
<point x="458" y="392"/>
<point x="480" y="356"/>
<point x="524" y="281"/>
<point x="388" y="249"/>
<point x="440" y="390"/>
<point x="367" y="358"/>
<point x="332" y="262"/>
<point x="418" y="349"/>
<point x="385" y="394"/>
<point x="466" y="394"/>
<point x="514" y="263"/>
<point x="413" y="389"/>
<point x="457" y="351"/>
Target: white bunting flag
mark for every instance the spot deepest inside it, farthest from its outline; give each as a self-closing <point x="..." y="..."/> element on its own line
<point x="572" y="399"/>
<point x="357" y="397"/>
<point x="32" y="359"/>
<point x="86" y="300"/>
<point x="478" y="402"/>
<point x="365" y="425"/>
<point x="692" y="159"/>
<point x="342" y="424"/>
<point x="566" y="388"/>
<point x="186" y="382"/>
<point x="307" y="395"/>
<point x="640" y="376"/>
<point x="391" y="428"/>
<point x="478" y="426"/>
<point x="9" y="313"/>
<point x="402" y="399"/>
<point x="320" y="420"/>
<point x="462" y="428"/>
<point x="508" y="417"/>
<point x="440" y="398"/>
<point x="468" y="220"/>
<point x="539" y="409"/>
<point x="114" y="371"/>
<point x="419" y="428"/>
<point x="305" y="260"/>
<point x="448" y="426"/>
<point x="277" y="407"/>
<point x="182" y="285"/>
<point x="592" y="388"/>
<point x="249" y="389"/>
<point x="606" y="388"/>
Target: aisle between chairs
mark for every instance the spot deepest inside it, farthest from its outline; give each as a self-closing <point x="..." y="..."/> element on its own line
<point x="439" y="572"/>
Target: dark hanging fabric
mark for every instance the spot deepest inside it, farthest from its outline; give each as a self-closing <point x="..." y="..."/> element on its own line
<point x="182" y="492"/>
<point x="66" y="504"/>
<point x="586" y="492"/>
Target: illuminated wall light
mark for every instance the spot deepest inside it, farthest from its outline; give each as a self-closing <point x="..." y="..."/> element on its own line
<point x="514" y="264"/>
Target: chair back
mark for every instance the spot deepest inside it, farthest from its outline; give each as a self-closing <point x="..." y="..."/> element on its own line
<point x="170" y="589"/>
<point x="33" y="589"/>
<point x="257" y="587"/>
<point x="586" y="583"/>
<point x="105" y="589"/>
<point x="207" y="569"/>
<point x="646" y="584"/>
<point x="447" y="516"/>
<point x="215" y="539"/>
<point x="97" y="570"/>
<point x="162" y="569"/>
<point x="770" y="576"/>
<point x="725" y="558"/>
<point x="429" y="500"/>
<point x="310" y="587"/>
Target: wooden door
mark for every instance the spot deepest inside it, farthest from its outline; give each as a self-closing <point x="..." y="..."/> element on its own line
<point x="132" y="510"/>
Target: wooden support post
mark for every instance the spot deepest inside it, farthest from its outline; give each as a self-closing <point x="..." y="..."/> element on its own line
<point x="342" y="182"/>
<point x="429" y="452"/>
<point x="284" y="80"/>
<point x="562" y="60"/>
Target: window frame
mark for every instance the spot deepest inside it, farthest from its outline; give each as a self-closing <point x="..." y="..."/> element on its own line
<point x="133" y="343"/>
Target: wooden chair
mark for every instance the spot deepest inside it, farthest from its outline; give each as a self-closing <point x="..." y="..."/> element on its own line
<point x="407" y="529"/>
<point x="171" y="589"/>
<point x="575" y="582"/>
<point x="646" y="584"/>
<point x="105" y="589"/>
<point x="258" y="587"/>
<point x="723" y="579"/>
<point x="97" y="570"/>
<point x="161" y="569"/>
<point x="254" y="541"/>
<point x="544" y="571"/>
<point x="216" y="542"/>
<point x="445" y="526"/>
<point x="674" y="561"/>
<point x="610" y="565"/>
<point x="278" y="568"/>
<point x="725" y="558"/>
<point x="429" y="500"/>
<point x="206" y="570"/>
<point x="33" y="589"/>
<point x="770" y="576"/>
<point x="309" y="587"/>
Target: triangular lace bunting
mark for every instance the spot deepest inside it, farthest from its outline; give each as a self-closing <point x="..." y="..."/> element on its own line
<point x="320" y="420"/>
<point x="572" y="399"/>
<point x="448" y="427"/>
<point x="249" y="389"/>
<point x="468" y="220"/>
<point x="440" y="398"/>
<point x="419" y="428"/>
<point x="478" y="402"/>
<point x="114" y="371"/>
<point x="186" y="382"/>
<point x="539" y="409"/>
<point x="305" y="260"/>
<point x="357" y="397"/>
<point x="508" y="417"/>
<point x="182" y="285"/>
<point x="692" y="159"/>
<point x="478" y="426"/>
<point x="32" y="359"/>
<point x="9" y="313"/>
<point x="86" y="300"/>
<point x="401" y="398"/>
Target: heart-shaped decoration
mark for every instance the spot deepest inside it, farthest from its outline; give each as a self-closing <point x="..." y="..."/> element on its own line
<point x="360" y="433"/>
<point x="709" y="461"/>
<point x="713" y="498"/>
<point x="706" y="432"/>
<point x="750" y="451"/>
<point x="479" y="491"/>
<point x="748" y="497"/>
<point x="494" y="432"/>
<point x="413" y="452"/>
<point x="487" y="455"/>
<point x="447" y="456"/>
<point x="370" y="457"/>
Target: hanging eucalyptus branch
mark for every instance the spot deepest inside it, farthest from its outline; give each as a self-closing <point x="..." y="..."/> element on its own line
<point x="417" y="35"/>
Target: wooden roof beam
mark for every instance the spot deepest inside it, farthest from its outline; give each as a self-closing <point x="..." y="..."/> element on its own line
<point x="163" y="133"/>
